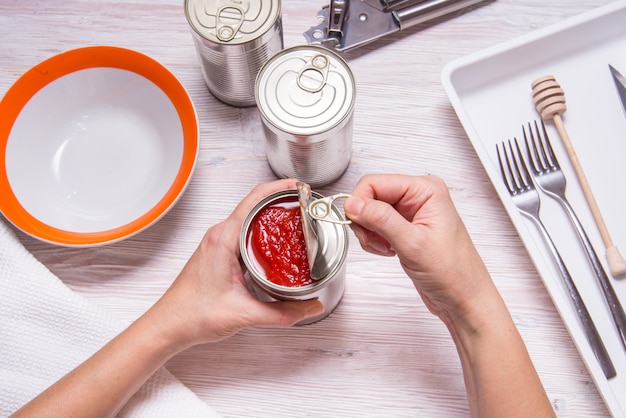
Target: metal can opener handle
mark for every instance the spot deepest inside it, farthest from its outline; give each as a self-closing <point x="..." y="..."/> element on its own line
<point x="346" y="24"/>
<point x="321" y="209"/>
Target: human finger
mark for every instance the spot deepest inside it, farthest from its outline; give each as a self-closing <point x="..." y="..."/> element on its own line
<point x="257" y="194"/>
<point x="232" y="224"/>
<point x="371" y="241"/>
<point x="407" y="194"/>
<point x="376" y="219"/>
<point x="287" y="313"/>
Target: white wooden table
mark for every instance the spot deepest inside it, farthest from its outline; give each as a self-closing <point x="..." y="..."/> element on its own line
<point x="381" y="353"/>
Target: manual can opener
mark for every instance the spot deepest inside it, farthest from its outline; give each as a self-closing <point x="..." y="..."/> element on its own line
<point x="347" y="24"/>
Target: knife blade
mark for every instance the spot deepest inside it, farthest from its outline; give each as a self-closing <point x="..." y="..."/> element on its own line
<point x="345" y="25"/>
<point x="620" y="84"/>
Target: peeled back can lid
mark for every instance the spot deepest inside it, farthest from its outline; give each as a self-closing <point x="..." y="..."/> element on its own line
<point x="231" y="21"/>
<point x="305" y="90"/>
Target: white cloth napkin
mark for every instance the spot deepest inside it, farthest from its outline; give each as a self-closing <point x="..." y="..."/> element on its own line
<point x="46" y="330"/>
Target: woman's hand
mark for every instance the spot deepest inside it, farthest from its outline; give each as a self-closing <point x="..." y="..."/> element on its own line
<point x="415" y="219"/>
<point x="209" y="300"/>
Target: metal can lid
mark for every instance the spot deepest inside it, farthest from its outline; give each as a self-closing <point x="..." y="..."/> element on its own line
<point x="333" y="244"/>
<point x="232" y="21"/>
<point x="305" y="90"/>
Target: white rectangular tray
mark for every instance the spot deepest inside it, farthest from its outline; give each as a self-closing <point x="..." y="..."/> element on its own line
<point x="491" y="93"/>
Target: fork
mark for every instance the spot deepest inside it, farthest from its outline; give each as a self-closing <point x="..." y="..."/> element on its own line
<point x="550" y="178"/>
<point x="520" y="186"/>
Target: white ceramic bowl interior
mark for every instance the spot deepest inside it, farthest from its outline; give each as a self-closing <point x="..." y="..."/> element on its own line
<point x="99" y="152"/>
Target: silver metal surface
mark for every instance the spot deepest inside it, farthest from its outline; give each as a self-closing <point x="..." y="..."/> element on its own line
<point x="549" y="177"/>
<point x="519" y="183"/>
<point x="233" y="40"/>
<point x="330" y="259"/>
<point x="620" y="84"/>
<point x="310" y="236"/>
<point x="322" y="209"/>
<point x="348" y="24"/>
<point x="306" y="97"/>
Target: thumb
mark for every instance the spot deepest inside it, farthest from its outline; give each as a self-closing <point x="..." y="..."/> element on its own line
<point x="378" y="217"/>
<point x="288" y="313"/>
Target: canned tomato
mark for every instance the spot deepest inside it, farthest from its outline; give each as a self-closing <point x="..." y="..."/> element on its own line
<point x="306" y="96"/>
<point x="233" y="39"/>
<point x="271" y="238"/>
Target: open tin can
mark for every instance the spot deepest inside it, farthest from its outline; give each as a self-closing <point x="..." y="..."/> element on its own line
<point x="233" y="39"/>
<point x="333" y="249"/>
<point x="305" y="96"/>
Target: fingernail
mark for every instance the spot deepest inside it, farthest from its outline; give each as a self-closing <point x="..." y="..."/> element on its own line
<point x="358" y="232"/>
<point x="379" y="246"/>
<point x="353" y="206"/>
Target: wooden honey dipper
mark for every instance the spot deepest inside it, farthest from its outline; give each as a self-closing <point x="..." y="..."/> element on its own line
<point x="549" y="100"/>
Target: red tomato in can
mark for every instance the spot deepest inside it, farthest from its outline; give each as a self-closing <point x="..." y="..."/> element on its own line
<point x="277" y="243"/>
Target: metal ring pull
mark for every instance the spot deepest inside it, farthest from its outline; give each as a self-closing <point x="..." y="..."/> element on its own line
<point x="321" y="209"/>
<point x="312" y="77"/>
<point x="226" y="32"/>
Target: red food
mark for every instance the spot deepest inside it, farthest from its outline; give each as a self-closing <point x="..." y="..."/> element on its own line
<point x="277" y="240"/>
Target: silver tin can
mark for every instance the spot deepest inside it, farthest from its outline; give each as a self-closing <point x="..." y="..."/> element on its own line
<point x="333" y="249"/>
<point x="233" y="39"/>
<point x="305" y="96"/>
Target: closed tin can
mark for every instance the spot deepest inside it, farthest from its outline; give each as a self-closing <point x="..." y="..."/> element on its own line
<point x="306" y="96"/>
<point x="333" y="249"/>
<point x="233" y="39"/>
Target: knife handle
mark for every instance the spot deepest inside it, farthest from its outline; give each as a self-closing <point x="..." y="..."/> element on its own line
<point x="427" y="10"/>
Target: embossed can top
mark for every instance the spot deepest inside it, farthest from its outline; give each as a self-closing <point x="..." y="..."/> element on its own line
<point x="305" y="90"/>
<point x="232" y="21"/>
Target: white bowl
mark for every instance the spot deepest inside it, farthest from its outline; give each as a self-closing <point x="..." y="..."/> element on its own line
<point x="96" y="144"/>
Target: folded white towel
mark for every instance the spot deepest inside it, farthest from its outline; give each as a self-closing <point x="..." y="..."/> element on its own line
<point x="46" y="330"/>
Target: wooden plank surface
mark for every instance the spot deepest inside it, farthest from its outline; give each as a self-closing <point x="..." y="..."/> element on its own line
<point x="381" y="353"/>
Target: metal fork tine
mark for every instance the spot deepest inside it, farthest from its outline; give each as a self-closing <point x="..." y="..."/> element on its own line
<point x="514" y="169"/>
<point x="551" y="157"/>
<point x="520" y="166"/>
<point x="540" y="152"/>
<point x="510" y="161"/>
<point x="541" y="141"/>
<point x="505" y="178"/>
<point x="533" y="150"/>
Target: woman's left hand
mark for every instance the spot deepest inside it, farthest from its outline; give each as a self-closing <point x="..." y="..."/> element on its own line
<point x="209" y="300"/>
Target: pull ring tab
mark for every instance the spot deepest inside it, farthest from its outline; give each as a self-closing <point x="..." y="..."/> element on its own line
<point x="321" y="209"/>
<point x="227" y="31"/>
<point x="312" y="77"/>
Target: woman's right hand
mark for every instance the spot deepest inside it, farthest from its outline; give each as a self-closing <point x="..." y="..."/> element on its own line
<point x="415" y="219"/>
